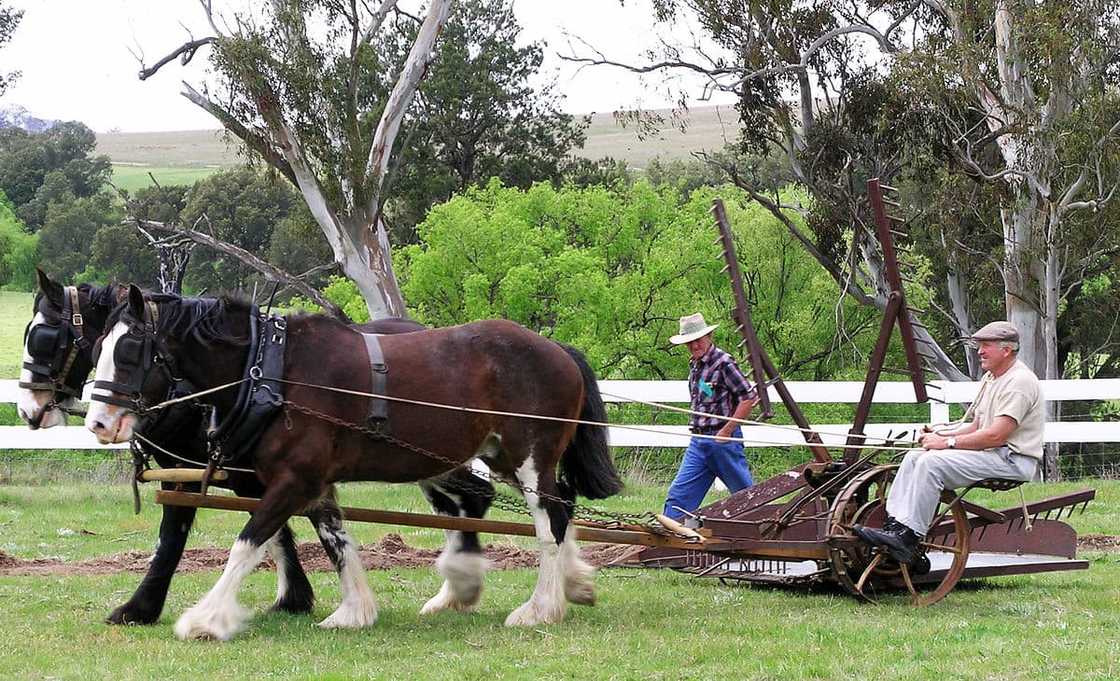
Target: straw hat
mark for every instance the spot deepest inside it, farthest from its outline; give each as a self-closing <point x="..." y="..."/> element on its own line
<point x="692" y="327"/>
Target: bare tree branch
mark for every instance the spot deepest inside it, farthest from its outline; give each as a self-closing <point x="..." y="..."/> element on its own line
<point x="846" y="284"/>
<point x="267" y="269"/>
<point x="1067" y="204"/>
<point x="185" y="52"/>
<point x="378" y="19"/>
<point x="254" y="140"/>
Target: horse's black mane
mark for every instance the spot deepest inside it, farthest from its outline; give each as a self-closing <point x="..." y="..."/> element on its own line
<point x="104" y="296"/>
<point x="205" y="319"/>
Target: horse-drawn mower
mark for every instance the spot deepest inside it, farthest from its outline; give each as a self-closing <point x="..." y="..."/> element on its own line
<point x="795" y="528"/>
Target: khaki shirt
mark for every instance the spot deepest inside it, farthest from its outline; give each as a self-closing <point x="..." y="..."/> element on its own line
<point x="1017" y="394"/>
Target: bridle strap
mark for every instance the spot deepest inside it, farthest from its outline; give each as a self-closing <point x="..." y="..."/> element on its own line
<point x="72" y="309"/>
<point x="153" y="315"/>
<point x="74" y="325"/>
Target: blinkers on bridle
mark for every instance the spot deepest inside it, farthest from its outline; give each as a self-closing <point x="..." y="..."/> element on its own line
<point x="134" y="355"/>
<point x="53" y="349"/>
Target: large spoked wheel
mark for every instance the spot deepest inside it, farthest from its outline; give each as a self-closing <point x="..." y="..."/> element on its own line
<point x="863" y="571"/>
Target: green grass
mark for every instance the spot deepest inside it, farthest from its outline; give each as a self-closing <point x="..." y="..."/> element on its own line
<point x="15" y="310"/>
<point x="648" y="624"/>
<point x="134" y="177"/>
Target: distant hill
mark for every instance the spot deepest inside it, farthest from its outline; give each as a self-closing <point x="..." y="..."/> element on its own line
<point x="16" y="116"/>
<point x="708" y="128"/>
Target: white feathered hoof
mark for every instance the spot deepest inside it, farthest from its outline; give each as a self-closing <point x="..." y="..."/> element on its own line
<point x="579" y="582"/>
<point x="352" y="616"/>
<point x="462" y="586"/>
<point x="580" y="590"/>
<point x="446" y="599"/>
<point x="203" y="622"/>
<point x="535" y="613"/>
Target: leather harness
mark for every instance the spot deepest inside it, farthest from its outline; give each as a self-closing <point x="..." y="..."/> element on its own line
<point x="235" y="434"/>
<point x="259" y="397"/>
<point x="379" y="373"/>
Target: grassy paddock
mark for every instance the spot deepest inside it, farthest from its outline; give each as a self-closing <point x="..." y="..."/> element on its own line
<point x="15" y="310"/>
<point x="134" y="177"/>
<point x="708" y="128"/>
<point x="648" y="624"/>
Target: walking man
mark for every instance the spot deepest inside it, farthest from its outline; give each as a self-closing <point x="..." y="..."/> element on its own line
<point x="1000" y="437"/>
<point x="716" y="386"/>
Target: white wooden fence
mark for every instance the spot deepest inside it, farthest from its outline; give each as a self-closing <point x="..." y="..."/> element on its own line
<point x="676" y="392"/>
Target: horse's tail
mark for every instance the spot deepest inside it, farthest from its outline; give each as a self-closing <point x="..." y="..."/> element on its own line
<point x="586" y="466"/>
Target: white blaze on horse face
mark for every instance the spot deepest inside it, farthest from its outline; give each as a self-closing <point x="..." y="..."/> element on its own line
<point x="109" y="422"/>
<point x="30" y="402"/>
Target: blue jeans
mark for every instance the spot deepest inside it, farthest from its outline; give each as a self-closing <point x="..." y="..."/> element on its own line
<point x="704" y="460"/>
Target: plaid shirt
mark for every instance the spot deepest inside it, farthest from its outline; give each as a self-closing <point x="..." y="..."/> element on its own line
<point x="716" y="386"/>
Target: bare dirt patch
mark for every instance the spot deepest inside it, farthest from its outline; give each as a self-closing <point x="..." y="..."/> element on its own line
<point x="390" y="552"/>
<point x="1098" y="542"/>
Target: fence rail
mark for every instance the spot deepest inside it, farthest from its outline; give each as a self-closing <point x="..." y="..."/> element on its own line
<point x="676" y="392"/>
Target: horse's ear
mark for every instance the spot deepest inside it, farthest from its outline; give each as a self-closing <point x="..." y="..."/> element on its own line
<point x="135" y="301"/>
<point x="50" y="288"/>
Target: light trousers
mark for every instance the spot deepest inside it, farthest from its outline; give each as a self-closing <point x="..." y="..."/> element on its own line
<point x="917" y="487"/>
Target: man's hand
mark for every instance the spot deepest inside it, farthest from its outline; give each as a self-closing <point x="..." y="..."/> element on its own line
<point x="933" y="441"/>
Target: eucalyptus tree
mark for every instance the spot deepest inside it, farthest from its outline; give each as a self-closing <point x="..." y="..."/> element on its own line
<point x="1018" y="95"/>
<point x="1042" y="126"/>
<point x="302" y="85"/>
<point x="810" y="93"/>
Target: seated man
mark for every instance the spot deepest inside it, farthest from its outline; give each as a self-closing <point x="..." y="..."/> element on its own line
<point x="1000" y="437"/>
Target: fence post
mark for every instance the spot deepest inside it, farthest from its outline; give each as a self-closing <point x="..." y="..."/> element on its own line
<point x="939" y="411"/>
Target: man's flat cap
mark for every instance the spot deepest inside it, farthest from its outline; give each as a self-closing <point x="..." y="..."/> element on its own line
<point x="997" y="331"/>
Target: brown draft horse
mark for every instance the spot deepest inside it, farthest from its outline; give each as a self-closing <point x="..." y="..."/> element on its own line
<point x="491" y="365"/>
<point x="51" y="336"/>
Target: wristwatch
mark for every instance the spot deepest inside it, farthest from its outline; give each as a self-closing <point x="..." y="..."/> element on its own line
<point x="951" y="443"/>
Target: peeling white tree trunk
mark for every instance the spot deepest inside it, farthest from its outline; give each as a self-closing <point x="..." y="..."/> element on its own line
<point x="360" y="241"/>
<point x="1021" y="297"/>
<point x="956" y="280"/>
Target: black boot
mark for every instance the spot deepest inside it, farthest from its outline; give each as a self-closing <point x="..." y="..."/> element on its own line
<point x="899" y="540"/>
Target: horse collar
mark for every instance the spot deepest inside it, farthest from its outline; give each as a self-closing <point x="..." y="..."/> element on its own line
<point x="261" y="394"/>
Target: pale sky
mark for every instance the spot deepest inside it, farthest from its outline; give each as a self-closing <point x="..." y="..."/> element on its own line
<point x="76" y="64"/>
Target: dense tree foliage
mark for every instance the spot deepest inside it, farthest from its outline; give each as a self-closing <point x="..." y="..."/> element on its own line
<point x="36" y="169"/>
<point x="476" y="114"/>
<point x="120" y="253"/>
<point x="612" y="270"/>
<point x="18" y="250"/>
<point x="297" y="246"/>
<point x="160" y="203"/>
<point x="66" y="239"/>
<point x="241" y="207"/>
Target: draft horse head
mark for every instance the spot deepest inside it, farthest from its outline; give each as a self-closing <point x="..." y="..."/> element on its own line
<point x="56" y="349"/>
